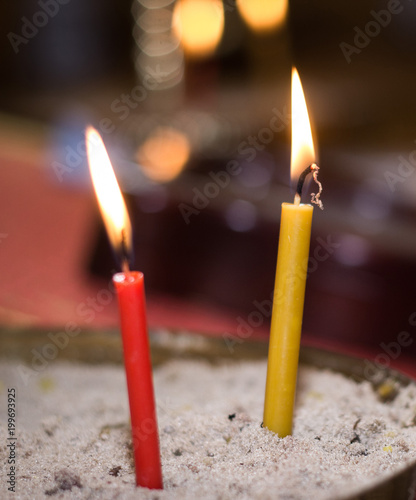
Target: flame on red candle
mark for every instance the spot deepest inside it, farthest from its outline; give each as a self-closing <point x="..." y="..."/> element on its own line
<point x="303" y="151"/>
<point x="110" y="200"/>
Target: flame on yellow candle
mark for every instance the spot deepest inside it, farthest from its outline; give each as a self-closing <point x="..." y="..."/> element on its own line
<point x="303" y="152"/>
<point x="263" y="15"/>
<point x="110" y="200"/>
<point x="199" y="25"/>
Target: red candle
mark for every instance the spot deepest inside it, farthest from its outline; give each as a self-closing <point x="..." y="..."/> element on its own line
<point x="132" y="304"/>
<point x="130" y="291"/>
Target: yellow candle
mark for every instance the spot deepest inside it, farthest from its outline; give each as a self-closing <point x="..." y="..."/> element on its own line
<point x="294" y="239"/>
<point x="291" y="270"/>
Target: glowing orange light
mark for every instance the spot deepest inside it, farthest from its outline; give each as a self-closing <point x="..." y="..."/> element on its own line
<point x="164" y="154"/>
<point x="110" y="200"/>
<point x="199" y="25"/>
<point x="303" y="152"/>
<point x="263" y="15"/>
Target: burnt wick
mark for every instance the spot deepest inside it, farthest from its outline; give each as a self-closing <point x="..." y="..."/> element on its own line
<point x="315" y="197"/>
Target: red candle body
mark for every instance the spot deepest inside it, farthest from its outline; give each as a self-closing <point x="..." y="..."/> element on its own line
<point x="132" y="305"/>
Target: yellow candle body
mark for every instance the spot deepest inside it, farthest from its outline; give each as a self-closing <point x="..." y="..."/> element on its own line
<point x="286" y="325"/>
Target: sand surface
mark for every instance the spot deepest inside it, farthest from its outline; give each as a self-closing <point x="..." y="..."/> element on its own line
<point x="73" y="436"/>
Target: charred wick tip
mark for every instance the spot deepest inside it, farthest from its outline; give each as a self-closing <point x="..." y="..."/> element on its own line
<point x="312" y="169"/>
<point x="302" y="177"/>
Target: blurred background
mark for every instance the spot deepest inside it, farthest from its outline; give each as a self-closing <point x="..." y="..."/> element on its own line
<point x="192" y="98"/>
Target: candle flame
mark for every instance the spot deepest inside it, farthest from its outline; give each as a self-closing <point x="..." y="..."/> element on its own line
<point x="263" y="15"/>
<point x="110" y="200"/>
<point x="164" y="154"/>
<point x="303" y="152"/>
<point x="199" y="25"/>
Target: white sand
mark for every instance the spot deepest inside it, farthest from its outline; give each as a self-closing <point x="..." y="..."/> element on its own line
<point x="73" y="435"/>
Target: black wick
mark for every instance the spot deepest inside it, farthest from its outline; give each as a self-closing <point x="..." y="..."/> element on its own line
<point x="124" y="252"/>
<point x="312" y="169"/>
